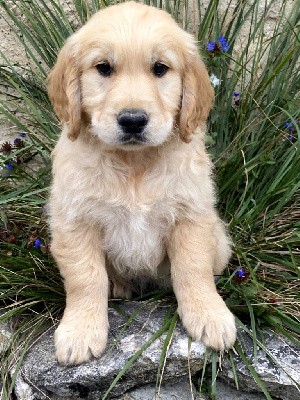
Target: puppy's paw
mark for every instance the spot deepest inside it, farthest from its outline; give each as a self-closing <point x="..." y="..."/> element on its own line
<point x="119" y="290"/>
<point x="78" y="340"/>
<point x="214" y="326"/>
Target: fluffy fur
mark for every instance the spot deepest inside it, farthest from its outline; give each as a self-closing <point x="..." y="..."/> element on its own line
<point x="125" y="212"/>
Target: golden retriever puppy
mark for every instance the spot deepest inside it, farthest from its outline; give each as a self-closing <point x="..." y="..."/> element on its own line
<point x="132" y="195"/>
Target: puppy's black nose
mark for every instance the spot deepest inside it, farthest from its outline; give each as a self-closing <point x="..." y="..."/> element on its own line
<point x="132" y="121"/>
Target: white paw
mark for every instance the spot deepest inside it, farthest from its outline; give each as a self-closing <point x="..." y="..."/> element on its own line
<point x="78" y="339"/>
<point x="213" y="326"/>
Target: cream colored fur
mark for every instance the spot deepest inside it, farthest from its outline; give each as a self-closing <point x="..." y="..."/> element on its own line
<point x="118" y="213"/>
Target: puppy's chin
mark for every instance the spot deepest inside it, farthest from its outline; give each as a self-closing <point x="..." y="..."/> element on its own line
<point x="130" y="145"/>
<point x="116" y="139"/>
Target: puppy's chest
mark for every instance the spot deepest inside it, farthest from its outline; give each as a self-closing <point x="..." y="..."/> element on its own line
<point x="135" y="216"/>
<point x="133" y="237"/>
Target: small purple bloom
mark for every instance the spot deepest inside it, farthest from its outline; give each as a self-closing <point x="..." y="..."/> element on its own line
<point x="224" y="44"/>
<point x="8" y="166"/>
<point x="16" y="140"/>
<point x="22" y="134"/>
<point x="236" y="94"/>
<point x="240" y="273"/>
<point x="217" y="278"/>
<point x="37" y="243"/>
<point x="287" y="125"/>
<point x="290" y="137"/>
<point x="211" y="46"/>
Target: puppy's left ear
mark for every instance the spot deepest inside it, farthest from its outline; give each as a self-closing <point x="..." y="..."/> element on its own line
<point x="197" y="96"/>
<point x="64" y="89"/>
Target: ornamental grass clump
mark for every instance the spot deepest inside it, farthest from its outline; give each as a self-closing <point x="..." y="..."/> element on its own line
<point x="253" y="139"/>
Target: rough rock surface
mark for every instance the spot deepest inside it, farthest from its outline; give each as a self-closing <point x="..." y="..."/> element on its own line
<point x="5" y="335"/>
<point x="182" y="391"/>
<point x="225" y="392"/>
<point x="6" y="331"/>
<point x="170" y="391"/>
<point x="280" y="377"/>
<point x="42" y="376"/>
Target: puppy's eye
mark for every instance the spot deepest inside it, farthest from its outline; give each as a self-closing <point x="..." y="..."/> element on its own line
<point x="104" y="69"/>
<point x="159" y="69"/>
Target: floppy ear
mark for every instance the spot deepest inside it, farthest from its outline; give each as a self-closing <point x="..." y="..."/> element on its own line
<point x="64" y="90"/>
<point x="197" y="97"/>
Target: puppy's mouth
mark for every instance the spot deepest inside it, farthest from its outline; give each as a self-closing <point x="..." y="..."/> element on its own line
<point x="133" y="139"/>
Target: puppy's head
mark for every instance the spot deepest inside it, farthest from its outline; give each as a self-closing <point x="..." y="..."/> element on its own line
<point x="132" y="74"/>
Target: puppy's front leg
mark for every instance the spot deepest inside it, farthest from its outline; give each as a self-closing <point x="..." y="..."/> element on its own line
<point x="192" y="249"/>
<point x="84" y="326"/>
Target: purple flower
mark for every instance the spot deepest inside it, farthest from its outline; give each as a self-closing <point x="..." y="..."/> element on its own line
<point x="240" y="273"/>
<point x="225" y="47"/>
<point x="224" y="44"/>
<point x="19" y="143"/>
<point x="211" y="46"/>
<point x="287" y="125"/>
<point x="37" y="243"/>
<point x="236" y="94"/>
<point x="8" y="166"/>
<point x="222" y="39"/>
<point x="22" y="134"/>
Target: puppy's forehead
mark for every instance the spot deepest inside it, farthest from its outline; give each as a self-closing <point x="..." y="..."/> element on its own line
<point x="132" y="31"/>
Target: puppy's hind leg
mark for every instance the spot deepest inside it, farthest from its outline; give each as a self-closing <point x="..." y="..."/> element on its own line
<point x="119" y="288"/>
<point x="83" y="330"/>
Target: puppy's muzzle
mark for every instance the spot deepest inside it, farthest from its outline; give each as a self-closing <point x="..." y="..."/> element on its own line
<point x="133" y="123"/>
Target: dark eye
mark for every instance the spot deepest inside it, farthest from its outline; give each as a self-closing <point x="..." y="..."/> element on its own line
<point x="104" y="69"/>
<point x="160" y="69"/>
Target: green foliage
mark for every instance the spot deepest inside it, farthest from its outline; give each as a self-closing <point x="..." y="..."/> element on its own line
<point x="257" y="158"/>
<point x="255" y="153"/>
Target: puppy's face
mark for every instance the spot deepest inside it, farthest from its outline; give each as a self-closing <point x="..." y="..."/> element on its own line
<point x="133" y="74"/>
<point x="131" y="84"/>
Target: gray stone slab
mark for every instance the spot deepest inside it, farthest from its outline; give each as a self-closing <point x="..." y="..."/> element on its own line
<point x="41" y="377"/>
<point x="45" y="377"/>
<point x="226" y="392"/>
<point x="6" y="331"/>
<point x="171" y="391"/>
<point x="281" y="376"/>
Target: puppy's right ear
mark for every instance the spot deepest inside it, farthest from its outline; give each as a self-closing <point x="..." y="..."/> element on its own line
<point x="64" y="89"/>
